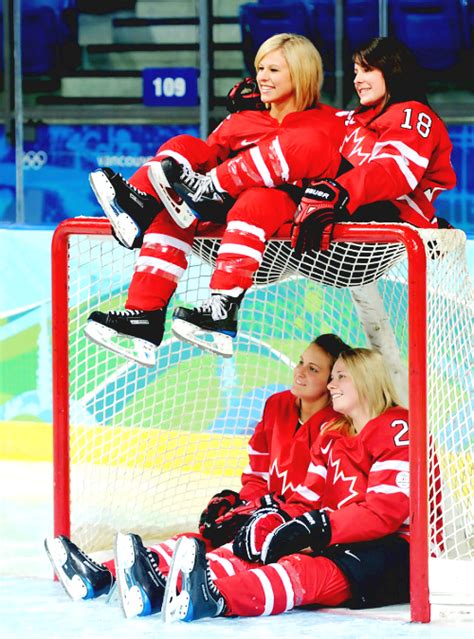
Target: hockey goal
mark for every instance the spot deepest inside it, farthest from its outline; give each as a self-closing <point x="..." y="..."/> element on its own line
<point x="142" y="450"/>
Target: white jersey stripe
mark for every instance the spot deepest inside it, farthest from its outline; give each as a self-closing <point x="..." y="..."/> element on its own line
<point x="222" y="561"/>
<point x="387" y="489"/>
<point x="240" y="249"/>
<point x="285" y="169"/>
<point x="408" y="175"/>
<point x="318" y="470"/>
<point x="290" y="594"/>
<point x="261" y="167"/>
<point x="405" y="150"/>
<point x="267" y="591"/>
<point x="146" y="262"/>
<point x="390" y="465"/>
<point x="248" y="471"/>
<point x="307" y="493"/>
<point x="251" y="229"/>
<point x="166" y="240"/>
<point x="252" y="451"/>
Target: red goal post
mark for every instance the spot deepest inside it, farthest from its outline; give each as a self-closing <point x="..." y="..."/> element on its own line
<point x="407" y="257"/>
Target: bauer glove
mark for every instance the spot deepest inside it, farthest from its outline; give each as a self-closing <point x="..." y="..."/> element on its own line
<point x="244" y="96"/>
<point x="309" y="530"/>
<point x="316" y="216"/>
<point x="249" y="540"/>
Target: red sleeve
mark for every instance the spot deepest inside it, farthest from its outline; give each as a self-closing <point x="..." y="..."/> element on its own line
<point x="256" y="474"/>
<point x="411" y="140"/>
<point x="222" y="139"/>
<point x="385" y="508"/>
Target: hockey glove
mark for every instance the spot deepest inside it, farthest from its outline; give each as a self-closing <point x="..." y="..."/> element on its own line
<point x="225" y="527"/>
<point x="244" y="96"/>
<point x="251" y="537"/>
<point x="316" y="216"/>
<point x="218" y="505"/>
<point x="309" y="530"/>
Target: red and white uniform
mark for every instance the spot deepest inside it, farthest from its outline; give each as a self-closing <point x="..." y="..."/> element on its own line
<point x="262" y="153"/>
<point x="402" y="155"/>
<point x="363" y="482"/>
<point x="279" y="450"/>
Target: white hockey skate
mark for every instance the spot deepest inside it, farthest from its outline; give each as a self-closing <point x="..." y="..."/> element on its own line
<point x="181" y="213"/>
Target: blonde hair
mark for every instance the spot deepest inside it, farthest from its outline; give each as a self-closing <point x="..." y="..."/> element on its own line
<point x="372" y="382"/>
<point x="304" y="62"/>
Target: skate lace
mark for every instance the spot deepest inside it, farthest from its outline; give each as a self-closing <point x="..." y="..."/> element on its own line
<point x="210" y="584"/>
<point x="196" y="182"/>
<point x="217" y="306"/>
<point x="126" y="313"/>
<point x="133" y="188"/>
<point x="154" y="563"/>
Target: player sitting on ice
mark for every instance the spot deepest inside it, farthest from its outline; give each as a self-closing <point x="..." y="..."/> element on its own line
<point x="279" y="454"/>
<point x="266" y="141"/>
<point x="341" y="539"/>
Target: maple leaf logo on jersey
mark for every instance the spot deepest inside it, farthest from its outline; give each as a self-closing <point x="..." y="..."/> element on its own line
<point x="283" y="477"/>
<point x="357" y="145"/>
<point x="339" y="475"/>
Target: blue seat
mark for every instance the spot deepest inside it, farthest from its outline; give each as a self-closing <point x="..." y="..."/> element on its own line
<point x="432" y="29"/>
<point x="47" y="27"/>
<point x="260" y="21"/>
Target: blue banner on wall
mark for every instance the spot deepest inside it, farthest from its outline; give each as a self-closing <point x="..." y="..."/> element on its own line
<point x="58" y="162"/>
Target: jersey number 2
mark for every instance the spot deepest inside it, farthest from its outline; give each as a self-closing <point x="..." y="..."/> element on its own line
<point x="398" y="437"/>
<point x="423" y="122"/>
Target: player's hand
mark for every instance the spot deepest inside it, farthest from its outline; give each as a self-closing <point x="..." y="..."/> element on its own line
<point x="244" y="96"/>
<point x="316" y="216"/>
<point x="218" y="505"/>
<point x="249" y="540"/>
<point x="309" y="530"/>
<point x="225" y="527"/>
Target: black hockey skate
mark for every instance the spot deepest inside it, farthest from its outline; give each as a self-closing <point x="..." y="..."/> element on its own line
<point x="144" y="330"/>
<point x="198" y="197"/>
<point x="199" y="597"/>
<point x="81" y="576"/>
<point x="140" y="582"/>
<point x="211" y="326"/>
<point x="129" y="210"/>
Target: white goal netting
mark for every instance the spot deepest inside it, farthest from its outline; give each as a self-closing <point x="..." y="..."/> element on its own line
<point x="148" y="447"/>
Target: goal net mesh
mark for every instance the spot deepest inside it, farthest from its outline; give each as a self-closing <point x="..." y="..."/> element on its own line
<point x="149" y="447"/>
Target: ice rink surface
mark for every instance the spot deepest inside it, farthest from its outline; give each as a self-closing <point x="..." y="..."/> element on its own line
<point x="33" y="606"/>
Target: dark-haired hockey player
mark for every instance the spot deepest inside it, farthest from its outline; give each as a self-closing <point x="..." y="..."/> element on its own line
<point x="279" y="454"/>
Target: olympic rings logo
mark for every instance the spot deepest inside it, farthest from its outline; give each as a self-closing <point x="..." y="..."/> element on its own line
<point x="35" y="160"/>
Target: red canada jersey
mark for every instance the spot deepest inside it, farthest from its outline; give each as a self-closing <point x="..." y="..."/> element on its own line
<point x="361" y="480"/>
<point x="279" y="449"/>
<point x="402" y="155"/>
<point x="242" y="130"/>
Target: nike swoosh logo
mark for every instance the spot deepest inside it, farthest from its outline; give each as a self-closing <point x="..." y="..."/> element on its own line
<point x="248" y="142"/>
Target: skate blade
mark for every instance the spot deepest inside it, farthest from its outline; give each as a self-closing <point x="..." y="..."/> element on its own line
<point x="74" y="586"/>
<point x="180" y="212"/>
<point x="175" y="606"/>
<point x="141" y="351"/>
<point x="123" y="225"/>
<point x="131" y="599"/>
<point x="211" y="341"/>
